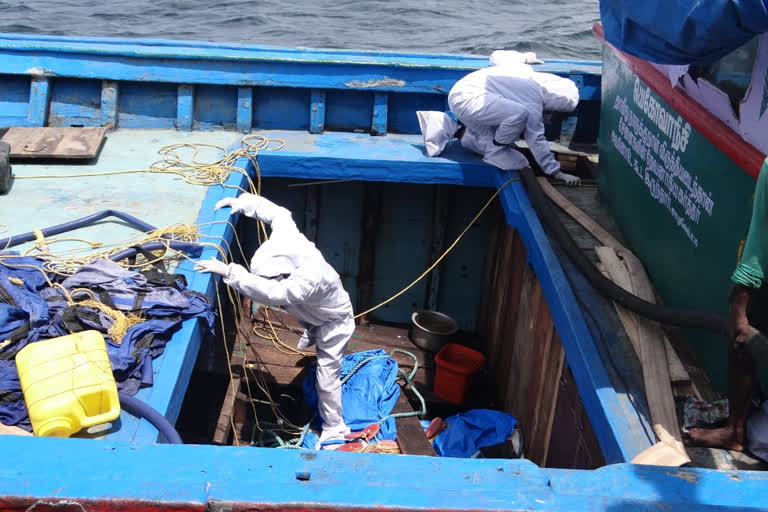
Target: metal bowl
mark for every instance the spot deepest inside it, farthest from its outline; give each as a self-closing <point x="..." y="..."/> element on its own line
<point x="430" y="330"/>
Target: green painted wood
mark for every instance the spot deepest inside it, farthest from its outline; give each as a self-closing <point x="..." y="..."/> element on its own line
<point x="681" y="203"/>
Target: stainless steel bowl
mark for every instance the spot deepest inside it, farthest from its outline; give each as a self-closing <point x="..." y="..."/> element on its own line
<point x="430" y="330"/>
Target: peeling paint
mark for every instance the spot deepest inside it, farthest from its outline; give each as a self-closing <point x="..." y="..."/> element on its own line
<point x="62" y="505"/>
<point x="39" y="72"/>
<point x="688" y="476"/>
<point x="384" y="82"/>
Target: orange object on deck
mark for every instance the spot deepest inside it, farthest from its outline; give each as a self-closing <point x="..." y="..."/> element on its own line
<point x="455" y="365"/>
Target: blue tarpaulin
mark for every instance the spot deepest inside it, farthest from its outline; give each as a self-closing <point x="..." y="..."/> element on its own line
<point x="367" y="397"/>
<point x="32" y="310"/>
<point x="682" y="32"/>
<point x="469" y="431"/>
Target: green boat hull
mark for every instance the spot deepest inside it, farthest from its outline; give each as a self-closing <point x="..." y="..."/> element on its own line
<point x="681" y="203"/>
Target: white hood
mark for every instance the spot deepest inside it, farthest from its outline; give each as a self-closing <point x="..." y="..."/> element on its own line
<point x="281" y="255"/>
<point x="511" y="57"/>
<point x="558" y="94"/>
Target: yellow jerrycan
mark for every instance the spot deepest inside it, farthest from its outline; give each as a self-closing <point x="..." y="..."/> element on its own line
<point x="67" y="384"/>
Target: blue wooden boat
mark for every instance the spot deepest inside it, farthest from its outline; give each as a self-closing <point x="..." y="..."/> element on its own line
<point x="347" y="119"/>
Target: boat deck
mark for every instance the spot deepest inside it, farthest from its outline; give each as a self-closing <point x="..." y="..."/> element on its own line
<point x="158" y="199"/>
<point x="257" y="355"/>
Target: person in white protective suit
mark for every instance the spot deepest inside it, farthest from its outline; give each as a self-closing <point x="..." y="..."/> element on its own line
<point x="498" y="104"/>
<point x="288" y="270"/>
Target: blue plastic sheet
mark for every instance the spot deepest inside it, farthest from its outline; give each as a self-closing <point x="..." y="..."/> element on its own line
<point x="367" y="397"/>
<point x="31" y="310"/>
<point x="682" y="32"/>
<point x="469" y="431"/>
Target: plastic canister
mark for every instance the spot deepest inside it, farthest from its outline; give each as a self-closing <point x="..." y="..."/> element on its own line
<point x="68" y="384"/>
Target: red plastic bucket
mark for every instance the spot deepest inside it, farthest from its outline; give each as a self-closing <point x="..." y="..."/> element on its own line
<point x="455" y="365"/>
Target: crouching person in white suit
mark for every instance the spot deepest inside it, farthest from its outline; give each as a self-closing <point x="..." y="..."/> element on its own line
<point x="289" y="271"/>
<point x="498" y="104"/>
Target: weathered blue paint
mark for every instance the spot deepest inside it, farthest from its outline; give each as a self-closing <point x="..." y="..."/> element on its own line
<point x="459" y="291"/>
<point x="214" y="107"/>
<point x="349" y="78"/>
<point x="155" y="198"/>
<point x="14" y="99"/>
<point x="185" y="105"/>
<point x="403" y="107"/>
<point x="440" y="216"/>
<point x="62" y="471"/>
<point x="335" y="155"/>
<point x="39" y="96"/>
<point x="312" y="213"/>
<point x="317" y="111"/>
<point x="75" y="102"/>
<point x="148" y="62"/>
<point x="348" y="111"/>
<point x="147" y="105"/>
<point x="110" y="93"/>
<point x="244" y="109"/>
<point x="379" y="117"/>
<point x="340" y="229"/>
<point x="159" y="48"/>
<point x="280" y="107"/>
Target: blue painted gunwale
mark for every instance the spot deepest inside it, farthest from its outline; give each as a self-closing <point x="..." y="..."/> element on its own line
<point x="240" y="72"/>
<point x="86" y="475"/>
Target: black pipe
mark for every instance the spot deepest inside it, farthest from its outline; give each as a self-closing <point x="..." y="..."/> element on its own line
<point x="138" y="408"/>
<point x="709" y="320"/>
<point x="7" y="243"/>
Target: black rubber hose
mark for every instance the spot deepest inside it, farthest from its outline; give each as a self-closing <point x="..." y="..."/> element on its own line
<point x="138" y="408"/>
<point x="709" y="320"/>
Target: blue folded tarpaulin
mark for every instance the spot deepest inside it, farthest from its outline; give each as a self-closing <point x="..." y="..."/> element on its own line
<point x="32" y="310"/>
<point x="367" y="397"/>
<point x="469" y="431"/>
<point x="682" y="32"/>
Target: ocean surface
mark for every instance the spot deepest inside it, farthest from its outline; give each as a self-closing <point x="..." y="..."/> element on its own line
<point x="551" y="28"/>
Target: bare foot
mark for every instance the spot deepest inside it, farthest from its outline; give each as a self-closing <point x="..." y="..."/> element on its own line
<point x="714" y="438"/>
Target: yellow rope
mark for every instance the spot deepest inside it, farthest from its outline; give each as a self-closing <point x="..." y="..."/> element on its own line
<point x="209" y="173"/>
<point x="445" y="253"/>
<point x="194" y="171"/>
<point x="120" y="321"/>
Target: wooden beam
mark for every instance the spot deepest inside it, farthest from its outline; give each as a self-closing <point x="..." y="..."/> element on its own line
<point x="370" y="229"/>
<point x="185" y="107"/>
<point x="411" y="438"/>
<point x="380" y="113"/>
<point x="440" y="216"/>
<point x="39" y="99"/>
<point x="244" y="109"/>
<point x="110" y="96"/>
<point x="649" y="341"/>
<point x="317" y="111"/>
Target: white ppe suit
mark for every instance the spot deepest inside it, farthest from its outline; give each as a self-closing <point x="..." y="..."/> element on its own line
<point x="497" y="105"/>
<point x="289" y="271"/>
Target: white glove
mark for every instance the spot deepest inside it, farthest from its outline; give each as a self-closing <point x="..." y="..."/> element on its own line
<point x="569" y="179"/>
<point x="245" y="203"/>
<point x="213" y="267"/>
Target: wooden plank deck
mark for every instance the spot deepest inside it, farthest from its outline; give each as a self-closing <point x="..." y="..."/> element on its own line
<point x="255" y="350"/>
<point x="286" y="368"/>
<point x="59" y="142"/>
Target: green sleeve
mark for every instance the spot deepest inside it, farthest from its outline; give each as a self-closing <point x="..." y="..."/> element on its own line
<point x="750" y="271"/>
